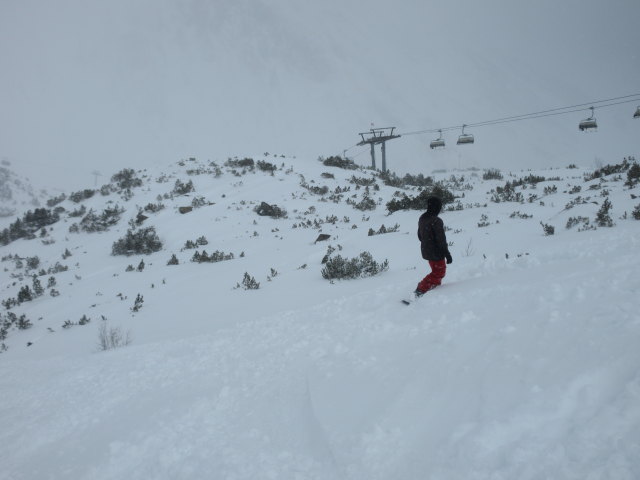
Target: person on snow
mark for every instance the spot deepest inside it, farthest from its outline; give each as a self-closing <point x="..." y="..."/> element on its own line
<point x="433" y="244"/>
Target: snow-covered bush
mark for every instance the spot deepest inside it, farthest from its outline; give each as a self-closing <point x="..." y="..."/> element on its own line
<point x="217" y="256"/>
<point x="339" y="268"/>
<point x="609" y="170"/>
<point x="548" y="229"/>
<point x="273" y="211"/>
<point x="603" y="219"/>
<point x="92" y="222"/>
<point x="266" y="166"/>
<point x="248" y="283"/>
<point x="181" y="188"/>
<point x="137" y="304"/>
<point x="81" y="195"/>
<point x="365" y="204"/>
<point x="112" y="337"/>
<point x="78" y="212"/>
<point x="573" y="221"/>
<point x="633" y="175"/>
<point x="336" y="161"/>
<point x="31" y="222"/>
<point x="382" y="230"/>
<point x="419" y="202"/>
<point x="154" y="207"/>
<point x="143" y="241"/>
<point x="126" y="179"/>
<point x="242" y="163"/>
<point x="492" y="174"/>
<point x="52" y="202"/>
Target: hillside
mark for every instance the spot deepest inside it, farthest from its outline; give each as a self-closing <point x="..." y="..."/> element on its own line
<point x="522" y="365"/>
<point x="16" y="193"/>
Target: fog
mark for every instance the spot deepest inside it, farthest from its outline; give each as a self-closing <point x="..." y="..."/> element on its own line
<point x="98" y="86"/>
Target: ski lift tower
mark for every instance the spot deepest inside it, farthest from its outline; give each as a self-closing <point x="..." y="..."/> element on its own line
<point x="377" y="136"/>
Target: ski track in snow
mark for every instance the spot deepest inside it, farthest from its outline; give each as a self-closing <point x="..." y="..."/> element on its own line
<point x="522" y="367"/>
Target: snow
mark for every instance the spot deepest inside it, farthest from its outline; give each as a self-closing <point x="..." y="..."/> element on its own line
<point x="524" y="364"/>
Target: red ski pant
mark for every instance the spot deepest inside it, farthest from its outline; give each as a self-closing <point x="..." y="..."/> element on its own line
<point x="431" y="281"/>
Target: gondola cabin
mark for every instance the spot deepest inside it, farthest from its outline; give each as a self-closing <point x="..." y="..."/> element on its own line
<point x="465" y="138"/>
<point x="588" y="123"/>
<point x="438" y="142"/>
<point x="637" y="114"/>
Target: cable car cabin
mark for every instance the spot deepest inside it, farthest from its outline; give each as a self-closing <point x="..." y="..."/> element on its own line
<point x="588" y="124"/>
<point x="438" y="143"/>
<point x="637" y="114"/>
<point x="465" y="138"/>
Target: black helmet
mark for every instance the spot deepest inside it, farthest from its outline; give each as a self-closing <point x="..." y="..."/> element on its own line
<point x="434" y="205"/>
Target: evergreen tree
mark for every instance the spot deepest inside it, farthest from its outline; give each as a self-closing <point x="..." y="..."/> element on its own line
<point x="25" y="294"/>
<point x="37" y="287"/>
<point x="602" y="218"/>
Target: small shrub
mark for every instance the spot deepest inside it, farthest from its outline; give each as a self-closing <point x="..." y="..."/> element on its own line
<point x="93" y="222"/>
<point x="336" y="161"/>
<point x="636" y="212"/>
<point x="126" y="179"/>
<point x="173" y="260"/>
<point x="420" y="201"/>
<point x="215" y="257"/>
<point x="484" y="221"/>
<point x="25" y="294"/>
<point x="365" y="204"/>
<point x="273" y="211"/>
<point x="23" y="323"/>
<point x="52" y="202"/>
<point x="382" y="230"/>
<point x="247" y="163"/>
<point x="492" y="174"/>
<point x="520" y="215"/>
<point x="603" y="219"/>
<point x="81" y="195"/>
<point x="198" y="202"/>
<point x="181" y="188"/>
<point x="137" y="304"/>
<point x="266" y="166"/>
<point x="144" y="241"/>
<point x="339" y="268"/>
<point x="633" y="175"/>
<point x="248" y="283"/>
<point x="548" y="229"/>
<point x="112" y="337"/>
<point x="78" y="212"/>
<point x="573" y="221"/>
<point x="154" y="207"/>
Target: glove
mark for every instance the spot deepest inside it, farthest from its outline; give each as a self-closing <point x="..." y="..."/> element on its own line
<point x="449" y="258"/>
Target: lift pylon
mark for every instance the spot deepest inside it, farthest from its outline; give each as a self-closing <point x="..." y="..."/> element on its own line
<point x="377" y="136"/>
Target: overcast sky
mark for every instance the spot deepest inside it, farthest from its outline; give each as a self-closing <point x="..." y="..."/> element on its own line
<point x="100" y="85"/>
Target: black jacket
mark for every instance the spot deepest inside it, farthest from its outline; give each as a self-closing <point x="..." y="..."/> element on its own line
<point x="433" y="241"/>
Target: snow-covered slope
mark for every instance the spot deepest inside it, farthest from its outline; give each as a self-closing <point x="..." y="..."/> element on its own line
<point x="16" y="193"/>
<point x="524" y="364"/>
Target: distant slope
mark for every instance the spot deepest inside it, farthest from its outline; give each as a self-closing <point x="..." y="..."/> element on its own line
<point x="16" y="193"/>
